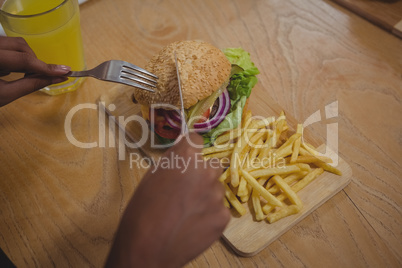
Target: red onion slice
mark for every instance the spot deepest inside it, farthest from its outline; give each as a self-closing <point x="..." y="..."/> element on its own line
<point x="173" y="118"/>
<point x="223" y="110"/>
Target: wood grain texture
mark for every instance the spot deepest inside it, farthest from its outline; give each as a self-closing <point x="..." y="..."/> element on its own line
<point x="244" y="234"/>
<point x="60" y="205"/>
<point x="383" y="13"/>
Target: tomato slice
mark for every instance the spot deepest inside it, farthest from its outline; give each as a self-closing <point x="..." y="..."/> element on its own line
<point x="205" y="116"/>
<point x="161" y="126"/>
<point x="165" y="131"/>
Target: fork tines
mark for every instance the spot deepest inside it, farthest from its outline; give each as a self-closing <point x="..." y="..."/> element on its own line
<point x="133" y="75"/>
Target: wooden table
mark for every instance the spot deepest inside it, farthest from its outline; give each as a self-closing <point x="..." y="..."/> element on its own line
<point x="60" y="205"/>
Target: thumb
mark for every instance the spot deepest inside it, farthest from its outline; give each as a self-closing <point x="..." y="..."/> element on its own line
<point x="34" y="65"/>
<point x="13" y="61"/>
<point x="10" y="91"/>
<point x="37" y="66"/>
<point x="55" y="70"/>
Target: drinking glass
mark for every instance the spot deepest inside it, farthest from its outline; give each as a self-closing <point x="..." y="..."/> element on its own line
<point x="52" y="29"/>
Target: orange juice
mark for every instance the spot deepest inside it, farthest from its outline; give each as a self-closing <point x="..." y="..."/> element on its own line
<point x="52" y="30"/>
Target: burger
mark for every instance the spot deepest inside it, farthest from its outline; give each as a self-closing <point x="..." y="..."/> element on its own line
<point x="215" y="87"/>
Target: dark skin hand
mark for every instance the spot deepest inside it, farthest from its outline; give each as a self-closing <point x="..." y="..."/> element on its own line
<point x="17" y="56"/>
<point x="173" y="216"/>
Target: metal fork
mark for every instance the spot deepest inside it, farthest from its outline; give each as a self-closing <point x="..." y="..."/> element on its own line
<point x="121" y="72"/>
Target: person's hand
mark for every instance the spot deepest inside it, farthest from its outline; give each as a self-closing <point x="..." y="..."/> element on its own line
<point x="17" y="56"/>
<point x="174" y="215"/>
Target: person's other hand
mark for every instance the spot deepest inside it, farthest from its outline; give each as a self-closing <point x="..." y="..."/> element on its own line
<point x="17" y="56"/>
<point x="174" y="215"/>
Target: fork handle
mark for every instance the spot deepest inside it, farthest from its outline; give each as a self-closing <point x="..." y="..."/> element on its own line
<point x="79" y="74"/>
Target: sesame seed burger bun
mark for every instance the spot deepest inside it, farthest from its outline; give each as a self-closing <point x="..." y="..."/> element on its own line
<point x="203" y="69"/>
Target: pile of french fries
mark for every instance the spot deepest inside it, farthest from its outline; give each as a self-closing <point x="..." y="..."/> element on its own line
<point x="266" y="166"/>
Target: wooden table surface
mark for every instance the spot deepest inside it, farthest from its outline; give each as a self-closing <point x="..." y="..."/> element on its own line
<point x="60" y="205"/>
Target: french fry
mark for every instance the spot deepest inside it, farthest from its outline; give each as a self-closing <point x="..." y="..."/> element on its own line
<point x="290" y="179"/>
<point x="255" y="141"/>
<point x="303" y="166"/>
<point x="310" y="148"/>
<point x="246" y="119"/>
<point x="225" y="162"/>
<point x="266" y="163"/>
<point x="267" y="145"/>
<point x="284" y="152"/>
<point x="236" y="160"/>
<point x="267" y="208"/>
<point x="325" y="166"/>
<point x="270" y="185"/>
<point x="296" y="187"/>
<point x="236" y="132"/>
<point x="273" y="171"/>
<point x="284" y="147"/>
<point x="279" y="127"/>
<point x="296" y="144"/>
<point x="307" y="179"/>
<point x="281" y="152"/>
<point x="218" y="155"/>
<point x="261" y="190"/>
<point x="224" y="176"/>
<point x="234" y="172"/>
<point x="329" y="168"/>
<point x="228" y="136"/>
<point x="217" y="148"/>
<point x="256" y="166"/>
<point x="259" y="215"/>
<point x="255" y="197"/>
<point x="284" y="212"/>
<point x="295" y="152"/>
<point x="233" y="200"/>
<point x="242" y="190"/>
<point x="262" y="180"/>
<point x="226" y="202"/>
<point x="299" y="129"/>
<point x="244" y="198"/>
<point x="288" y="192"/>
<point x="261" y="123"/>
<point x="294" y="199"/>
<point x="243" y="160"/>
<point x="240" y="145"/>
<point x="256" y="149"/>
<point x="310" y="159"/>
<point x="303" y="151"/>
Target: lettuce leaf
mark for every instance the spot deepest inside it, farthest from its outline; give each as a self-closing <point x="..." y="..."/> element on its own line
<point x="242" y="58"/>
<point x="241" y="85"/>
<point x="232" y="120"/>
<point x="239" y="89"/>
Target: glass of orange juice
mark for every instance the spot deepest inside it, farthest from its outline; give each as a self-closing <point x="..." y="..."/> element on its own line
<point x="52" y="29"/>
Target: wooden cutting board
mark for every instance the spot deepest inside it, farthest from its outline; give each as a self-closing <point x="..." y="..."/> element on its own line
<point x="245" y="235"/>
<point x="386" y="14"/>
